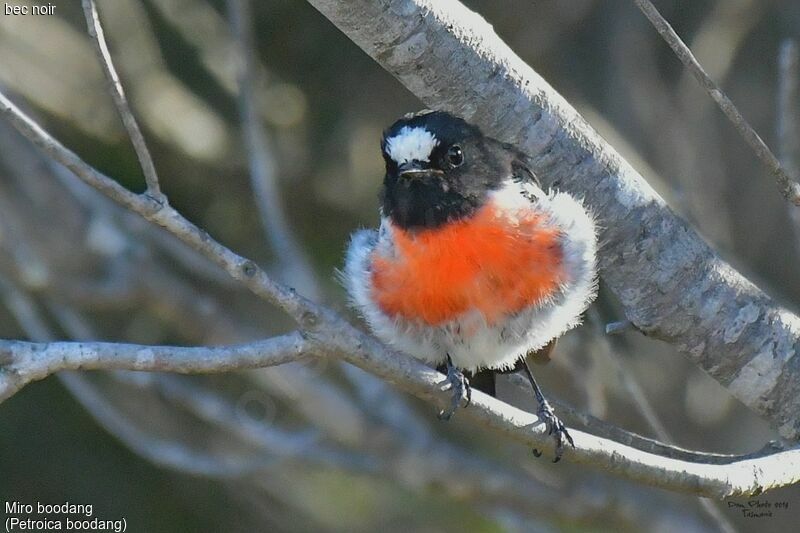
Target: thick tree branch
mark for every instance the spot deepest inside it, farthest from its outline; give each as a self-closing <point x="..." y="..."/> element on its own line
<point x="672" y="285"/>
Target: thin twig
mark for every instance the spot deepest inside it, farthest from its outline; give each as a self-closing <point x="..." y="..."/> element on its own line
<point x="642" y="404"/>
<point x="133" y="224"/>
<point x="95" y="30"/>
<point x="303" y="444"/>
<point x="243" y="270"/>
<point x="286" y="445"/>
<point x="619" y="327"/>
<point x="646" y="444"/>
<point x="789" y="188"/>
<point x="789" y="119"/>
<point x="296" y="268"/>
<point x="440" y="464"/>
<point x="159" y="451"/>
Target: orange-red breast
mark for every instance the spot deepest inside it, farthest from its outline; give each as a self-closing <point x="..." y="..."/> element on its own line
<point x="474" y="265"/>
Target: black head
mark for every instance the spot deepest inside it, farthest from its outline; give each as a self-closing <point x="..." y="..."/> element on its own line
<point x="439" y="168"/>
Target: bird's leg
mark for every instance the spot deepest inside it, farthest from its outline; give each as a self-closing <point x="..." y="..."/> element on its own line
<point x="457" y="381"/>
<point x="554" y="424"/>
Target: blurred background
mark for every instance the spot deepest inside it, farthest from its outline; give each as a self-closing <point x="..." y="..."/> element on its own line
<point x="324" y="446"/>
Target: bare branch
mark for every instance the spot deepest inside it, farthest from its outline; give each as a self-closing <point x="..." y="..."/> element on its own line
<point x="162" y="452"/>
<point x="789" y="119"/>
<point x="441" y="464"/>
<point x="646" y="410"/>
<point x="120" y="100"/>
<point x="133" y="224"/>
<point x="239" y="268"/>
<point x="301" y="444"/>
<point x="606" y="430"/>
<point x="24" y="311"/>
<point x="23" y="362"/>
<point x="295" y="265"/>
<point x="672" y="286"/>
<point x="159" y="451"/>
<point x="788" y="186"/>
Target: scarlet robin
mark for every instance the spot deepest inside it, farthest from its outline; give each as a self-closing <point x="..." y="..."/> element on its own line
<point x="474" y="265"/>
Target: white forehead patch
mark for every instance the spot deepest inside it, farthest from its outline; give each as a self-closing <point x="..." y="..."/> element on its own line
<point x="410" y="144"/>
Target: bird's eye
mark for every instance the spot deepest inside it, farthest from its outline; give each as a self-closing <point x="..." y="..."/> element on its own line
<point x="455" y="156"/>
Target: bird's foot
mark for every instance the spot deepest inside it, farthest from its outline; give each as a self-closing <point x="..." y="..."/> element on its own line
<point x="458" y="382"/>
<point x="556" y="428"/>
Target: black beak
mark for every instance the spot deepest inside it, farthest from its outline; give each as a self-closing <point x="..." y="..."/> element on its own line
<point x="415" y="170"/>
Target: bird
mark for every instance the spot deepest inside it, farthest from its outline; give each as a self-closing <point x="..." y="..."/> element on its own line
<point x="474" y="266"/>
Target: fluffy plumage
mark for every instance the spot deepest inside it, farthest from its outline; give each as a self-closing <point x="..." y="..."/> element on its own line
<point x="503" y="326"/>
<point x="472" y="258"/>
